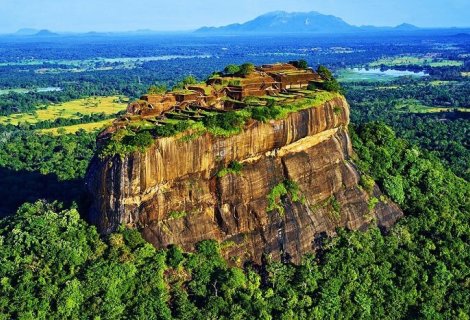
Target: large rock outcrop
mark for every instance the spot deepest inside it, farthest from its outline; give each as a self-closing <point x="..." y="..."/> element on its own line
<point x="173" y="195"/>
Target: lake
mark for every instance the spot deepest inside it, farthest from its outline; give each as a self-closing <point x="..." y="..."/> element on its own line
<point x="21" y="90"/>
<point x="375" y="74"/>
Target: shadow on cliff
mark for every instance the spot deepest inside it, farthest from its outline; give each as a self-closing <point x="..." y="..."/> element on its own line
<point x="18" y="187"/>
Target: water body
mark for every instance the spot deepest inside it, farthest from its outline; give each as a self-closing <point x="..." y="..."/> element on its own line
<point x="155" y="58"/>
<point x="21" y="90"/>
<point x="375" y="74"/>
<point x="389" y="72"/>
<point x="48" y="89"/>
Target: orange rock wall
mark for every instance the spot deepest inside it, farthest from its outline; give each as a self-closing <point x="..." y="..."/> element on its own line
<point x="310" y="147"/>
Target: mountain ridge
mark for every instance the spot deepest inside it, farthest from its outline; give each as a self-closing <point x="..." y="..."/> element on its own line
<point x="26" y="32"/>
<point x="298" y="22"/>
<point x="45" y="33"/>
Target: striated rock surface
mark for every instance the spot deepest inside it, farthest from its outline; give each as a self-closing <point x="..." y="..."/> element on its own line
<point x="172" y="192"/>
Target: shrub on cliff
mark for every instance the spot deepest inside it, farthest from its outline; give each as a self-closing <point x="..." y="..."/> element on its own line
<point x="331" y="85"/>
<point x="171" y="129"/>
<point x="327" y="85"/>
<point x="157" y="89"/>
<point x="265" y="114"/>
<point x="186" y="81"/>
<point x="277" y="195"/>
<point x="234" y="167"/>
<point x="302" y="64"/>
<point x="329" y="82"/>
<point x="246" y="69"/>
<point x="231" y="69"/>
<point x="324" y="73"/>
<point x="141" y="140"/>
<point x="228" y="121"/>
<point x="125" y="141"/>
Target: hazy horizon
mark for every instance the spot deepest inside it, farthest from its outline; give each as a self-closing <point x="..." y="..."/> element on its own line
<point x="182" y="15"/>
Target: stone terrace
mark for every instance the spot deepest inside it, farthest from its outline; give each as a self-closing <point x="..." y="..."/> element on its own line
<point x="282" y="82"/>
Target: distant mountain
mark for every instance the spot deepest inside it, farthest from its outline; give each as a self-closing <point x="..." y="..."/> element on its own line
<point x="284" y="22"/>
<point x="400" y="28"/>
<point x="29" y="32"/>
<point x="462" y="35"/>
<point x="26" y="32"/>
<point x="143" y="31"/>
<point x="45" y="33"/>
<point x="406" y="27"/>
<point x="298" y="22"/>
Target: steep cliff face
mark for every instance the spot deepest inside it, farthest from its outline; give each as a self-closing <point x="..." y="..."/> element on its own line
<point x="174" y="195"/>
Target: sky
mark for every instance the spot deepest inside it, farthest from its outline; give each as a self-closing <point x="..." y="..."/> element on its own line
<point x="179" y="15"/>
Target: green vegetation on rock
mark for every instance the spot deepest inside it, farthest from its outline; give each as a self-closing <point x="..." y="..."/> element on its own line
<point x="127" y="141"/>
<point x="367" y="183"/>
<point x="234" y="167"/>
<point x="186" y="81"/>
<point x="275" y="198"/>
<point x="239" y="70"/>
<point x="223" y="124"/>
<point x="329" y="83"/>
<point x="157" y="89"/>
<point x="281" y="190"/>
<point x="246" y="69"/>
<point x="335" y="207"/>
<point x="177" y="214"/>
<point x="231" y="69"/>
<point x="302" y="64"/>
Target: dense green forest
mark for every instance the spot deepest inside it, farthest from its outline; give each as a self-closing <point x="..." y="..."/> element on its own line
<point x="78" y="87"/>
<point x="407" y="105"/>
<point x="56" y="266"/>
<point x="35" y="166"/>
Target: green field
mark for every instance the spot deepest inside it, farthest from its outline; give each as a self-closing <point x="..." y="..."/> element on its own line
<point x="437" y="83"/>
<point x="97" y="64"/>
<point x="414" y="106"/>
<point x="69" y="110"/>
<point x="416" y="61"/>
<point x="15" y="90"/>
<point x="94" y="126"/>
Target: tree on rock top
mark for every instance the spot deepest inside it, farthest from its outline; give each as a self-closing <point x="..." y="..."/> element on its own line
<point x="231" y="69"/>
<point x="246" y="69"/>
<point x="324" y="73"/>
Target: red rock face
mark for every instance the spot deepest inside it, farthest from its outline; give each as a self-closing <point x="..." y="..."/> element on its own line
<point x="172" y="192"/>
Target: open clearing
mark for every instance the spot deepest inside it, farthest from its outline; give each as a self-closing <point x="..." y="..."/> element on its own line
<point x="69" y="110"/>
<point x="416" y="61"/>
<point x="414" y="106"/>
<point x="73" y="129"/>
